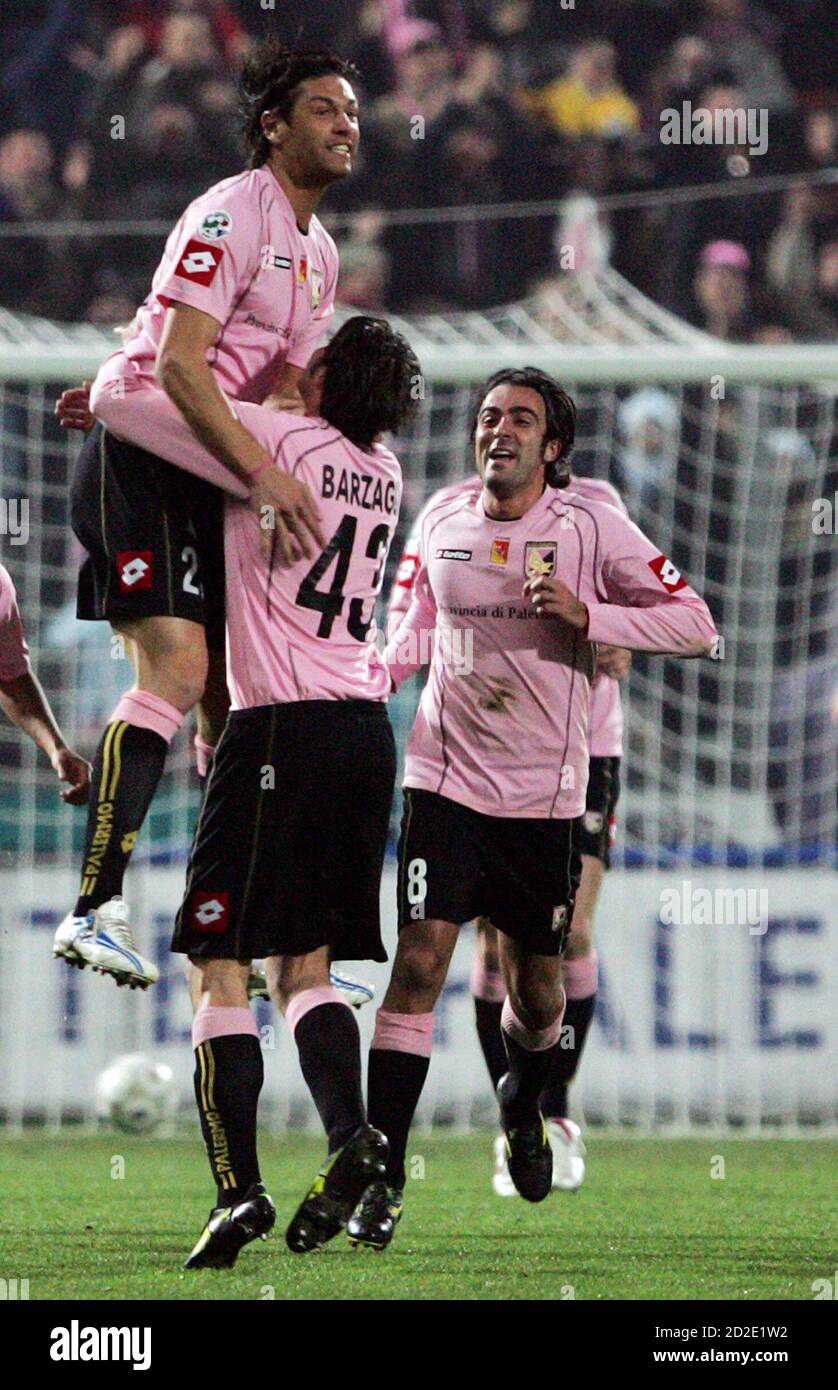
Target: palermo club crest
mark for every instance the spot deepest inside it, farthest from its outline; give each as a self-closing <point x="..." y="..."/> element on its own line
<point x="540" y="559"/>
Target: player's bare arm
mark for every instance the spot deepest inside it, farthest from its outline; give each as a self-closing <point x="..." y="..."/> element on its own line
<point x="186" y="377"/>
<point x="22" y="699"/>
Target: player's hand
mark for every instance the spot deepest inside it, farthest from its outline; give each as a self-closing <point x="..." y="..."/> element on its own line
<point x="73" y="769"/>
<point x="291" y="523"/>
<point x="552" y="599"/>
<point x="613" y="661"/>
<point x="73" y="408"/>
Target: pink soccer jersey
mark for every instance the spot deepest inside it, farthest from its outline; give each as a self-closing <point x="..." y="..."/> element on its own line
<point x="238" y="255"/>
<point x="14" y="653"/>
<point x="605" y="730"/>
<point x="308" y="632"/>
<point x="503" y="721"/>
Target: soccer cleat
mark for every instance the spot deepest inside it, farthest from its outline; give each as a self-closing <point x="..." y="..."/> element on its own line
<point x="374" y="1221"/>
<point x="568" y="1154"/>
<point x="104" y="940"/>
<point x="528" y="1154"/>
<point x="337" y="1190"/>
<point x="228" y="1229"/>
<point x="502" y="1184"/>
<point x="357" y="992"/>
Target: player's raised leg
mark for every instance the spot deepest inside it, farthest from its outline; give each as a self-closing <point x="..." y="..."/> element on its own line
<point x="171" y="668"/>
<point x="228" y="1079"/>
<point x="329" y="1047"/>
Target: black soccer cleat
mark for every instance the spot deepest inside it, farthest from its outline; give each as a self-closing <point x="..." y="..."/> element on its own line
<point x="529" y="1155"/>
<point x="337" y="1190"/>
<point x="374" y="1221"/>
<point x="228" y="1229"/>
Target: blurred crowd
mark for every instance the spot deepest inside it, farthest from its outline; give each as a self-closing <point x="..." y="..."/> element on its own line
<point x="126" y="109"/>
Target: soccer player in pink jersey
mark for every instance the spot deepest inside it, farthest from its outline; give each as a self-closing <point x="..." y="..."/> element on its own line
<point x="287" y="857"/>
<point x="242" y="296"/>
<point x="23" y="700"/>
<point x="497" y="761"/>
<point x="595" y="836"/>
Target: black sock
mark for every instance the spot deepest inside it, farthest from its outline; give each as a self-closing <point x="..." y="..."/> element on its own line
<point x="329" y="1045"/>
<point x="126" y="770"/>
<point x="578" y="1015"/>
<point x="228" y="1079"/>
<point x="394" y="1086"/>
<point x="487" y="1017"/>
<point x="528" y="1072"/>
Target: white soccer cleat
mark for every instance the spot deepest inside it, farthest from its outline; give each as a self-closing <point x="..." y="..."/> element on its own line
<point x="104" y="941"/>
<point x="357" y="992"/>
<point x="502" y="1184"/>
<point x="568" y="1154"/>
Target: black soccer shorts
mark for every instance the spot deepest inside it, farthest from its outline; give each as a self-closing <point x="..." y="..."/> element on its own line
<point x="154" y="537"/>
<point x="456" y="864"/>
<point x="598" y="827"/>
<point x="289" y="848"/>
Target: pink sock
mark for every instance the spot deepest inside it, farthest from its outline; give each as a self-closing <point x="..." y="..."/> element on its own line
<point x="404" y="1033"/>
<point x="531" y="1040"/>
<point x="203" y="754"/>
<point x="147" y="711"/>
<point x="309" y="999"/>
<point x="220" y="1021"/>
<point x="486" y="984"/>
<point x="581" y="977"/>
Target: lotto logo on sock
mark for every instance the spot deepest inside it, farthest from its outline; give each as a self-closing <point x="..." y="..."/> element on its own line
<point x="669" y="577"/>
<point x="135" y="570"/>
<point x="210" y="912"/>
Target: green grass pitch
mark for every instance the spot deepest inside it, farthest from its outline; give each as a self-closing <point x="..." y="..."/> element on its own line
<point x="652" y="1221"/>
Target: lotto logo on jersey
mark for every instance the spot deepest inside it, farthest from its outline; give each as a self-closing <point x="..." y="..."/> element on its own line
<point x="540" y="559"/>
<point x="669" y="577"/>
<point x="210" y="912"/>
<point x="406" y="573"/>
<point x="499" y="553"/>
<point x="199" y="262"/>
<point x="135" y="570"/>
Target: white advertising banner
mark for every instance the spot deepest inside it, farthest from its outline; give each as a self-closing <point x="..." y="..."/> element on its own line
<point x="716" y="1004"/>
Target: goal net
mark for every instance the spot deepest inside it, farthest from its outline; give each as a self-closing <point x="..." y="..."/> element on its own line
<point x="716" y="930"/>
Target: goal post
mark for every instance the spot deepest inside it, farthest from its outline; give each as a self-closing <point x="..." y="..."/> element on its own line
<point x="716" y="930"/>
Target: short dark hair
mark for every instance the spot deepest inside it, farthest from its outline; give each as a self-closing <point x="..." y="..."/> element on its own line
<point x="269" y="81"/>
<point x="559" y="410"/>
<point x="371" y="376"/>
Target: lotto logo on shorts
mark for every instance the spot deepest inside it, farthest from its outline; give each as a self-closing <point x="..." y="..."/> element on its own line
<point x="210" y="912"/>
<point x="669" y="577"/>
<point x="135" y="570"/>
<point x="199" y="262"/>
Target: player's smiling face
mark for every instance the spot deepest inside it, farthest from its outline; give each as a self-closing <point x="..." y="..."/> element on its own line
<point x="321" y="138"/>
<point x="509" y="440"/>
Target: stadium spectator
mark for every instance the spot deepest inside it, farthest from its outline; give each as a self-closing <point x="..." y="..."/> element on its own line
<point x="33" y="279"/>
<point x="740" y="34"/>
<point x="590" y="99"/>
<point x="805" y="278"/>
<point x="721" y="291"/>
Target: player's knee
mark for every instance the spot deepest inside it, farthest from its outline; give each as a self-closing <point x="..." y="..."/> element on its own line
<point x="181" y="669"/>
<point x="419" y="968"/>
<point x="537" y="1003"/>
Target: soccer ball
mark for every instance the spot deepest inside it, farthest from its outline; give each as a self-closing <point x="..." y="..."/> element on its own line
<point x="135" y="1094"/>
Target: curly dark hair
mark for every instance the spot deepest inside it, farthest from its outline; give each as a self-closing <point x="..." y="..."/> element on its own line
<point x="558" y="408"/>
<point x="269" y="81"/>
<point x="371" y="378"/>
